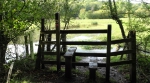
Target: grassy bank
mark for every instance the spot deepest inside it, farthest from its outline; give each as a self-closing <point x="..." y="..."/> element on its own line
<point x="84" y="24"/>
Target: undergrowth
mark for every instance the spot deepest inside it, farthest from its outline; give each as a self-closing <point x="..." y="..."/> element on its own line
<point x="142" y="64"/>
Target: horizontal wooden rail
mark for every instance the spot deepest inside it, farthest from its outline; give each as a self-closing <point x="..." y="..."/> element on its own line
<point x="49" y="62"/>
<point x="84" y="54"/>
<point x="97" y="42"/>
<point x="81" y="63"/>
<point x="75" y="63"/>
<point x="101" y="64"/>
<point x="48" y="42"/>
<point x="76" y="31"/>
<point x="90" y="54"/>
<point x="83" y="43"/>
<point x="52" y="53"/>
<point x="77" y="42"/>
<point x="83" y="31"/>
<point x="49" y="53"/>
<point x="121" y="52"/>
<point x="87" y="63"/>
<point x="121" y="41"/>
<point x="120" y="63"/>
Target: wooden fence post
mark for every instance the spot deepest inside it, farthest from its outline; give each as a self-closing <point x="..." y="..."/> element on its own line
<point x="49" y="37"/>
<point x="42" y="39"/>
<point x="108" y="54"/>
<point x="68" y="61"/>
<point x="64" y="47"/>
<point x="133" y="57"/>
<point x="57" y="25"/>
<point x="38" y="59"/>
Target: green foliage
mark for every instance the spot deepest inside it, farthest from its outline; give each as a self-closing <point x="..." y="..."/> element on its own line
<point x="19" y="15"/>
<point x="82" y="13"/>
<point x="78" y="58"/>
<point x="26" y="79"/>
<point x="25" y="64"/>
<point x="100" y="14"/>
<point x="20" y="69"/>
<point x="144" y="63"/>
<point x="53" y="68"/>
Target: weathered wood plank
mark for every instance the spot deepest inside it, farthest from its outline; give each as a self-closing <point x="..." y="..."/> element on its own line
<point x="87" y="64"/>
<point x="68" y="61"/>
<point x="121" y="52"/>
<point x="93" y="65"/>
<point x="83" y="31"/>
<point x="74" y="63"/>
<point x="101" y="64"/>
<point x="48" y="42"/>
<point x="76" y="31"/>
<point x="90" y="54"/>
<point x="83" y="43"/>
<point x="120" y="63"/>
<point x="52" y="53"/>
<point x="121" y="41"/>
<point x="84" y="54"/>
<point x="57" y="25"/>
<point x="70" y="51"/>
<point x="76" y="42"/>
<point x="49" y="62"/>
<point x="53" y="62"/>
<point x="92" y="70"/>
<point x="81" y="63"/>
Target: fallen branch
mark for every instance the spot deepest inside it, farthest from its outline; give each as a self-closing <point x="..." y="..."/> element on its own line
<point x="10" y="72"/>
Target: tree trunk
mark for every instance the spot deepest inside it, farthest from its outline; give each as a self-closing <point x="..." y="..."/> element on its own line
<point x="3" y="46"/>
<point x="38" y="56"/>
<point x="26" y="45"/>
<point x="114" y="15"/>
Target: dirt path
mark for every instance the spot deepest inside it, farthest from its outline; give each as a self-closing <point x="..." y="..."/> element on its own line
<point x="114" y="73"/>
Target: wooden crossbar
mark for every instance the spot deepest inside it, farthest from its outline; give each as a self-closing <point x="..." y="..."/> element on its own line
<point x="76" y="31"/>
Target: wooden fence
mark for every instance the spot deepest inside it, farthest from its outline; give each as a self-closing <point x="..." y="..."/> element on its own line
<point x="131" y="51"/>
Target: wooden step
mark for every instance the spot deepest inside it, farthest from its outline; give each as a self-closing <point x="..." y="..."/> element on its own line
<point x="92" y="70"/>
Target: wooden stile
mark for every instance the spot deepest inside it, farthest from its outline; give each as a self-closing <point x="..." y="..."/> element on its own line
<point x="70" y="55"/>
